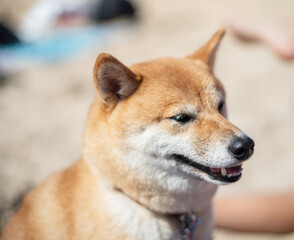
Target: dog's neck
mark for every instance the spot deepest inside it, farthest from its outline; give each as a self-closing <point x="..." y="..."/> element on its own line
<point x="154" y="223"/>
<point x="187" y="222"/>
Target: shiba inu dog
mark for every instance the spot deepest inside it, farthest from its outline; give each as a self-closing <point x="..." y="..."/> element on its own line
<point x="156" y="145"/>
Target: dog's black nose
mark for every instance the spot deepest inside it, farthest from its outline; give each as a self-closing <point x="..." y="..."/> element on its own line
<point x="242" y="147"/>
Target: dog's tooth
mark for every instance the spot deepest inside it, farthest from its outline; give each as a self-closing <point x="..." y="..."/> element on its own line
<point x="223" y="172"/>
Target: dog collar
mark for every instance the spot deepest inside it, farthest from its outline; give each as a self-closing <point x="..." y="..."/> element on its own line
<point x="188" y="224"/>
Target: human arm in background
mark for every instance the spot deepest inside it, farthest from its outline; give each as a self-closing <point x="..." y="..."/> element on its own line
<point x="270" y="213"/>
<point x="277" y="35"/>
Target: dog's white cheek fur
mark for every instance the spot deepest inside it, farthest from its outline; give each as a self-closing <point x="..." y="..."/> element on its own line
<point x="155" y="144"/>
<point x="174" y="190"/>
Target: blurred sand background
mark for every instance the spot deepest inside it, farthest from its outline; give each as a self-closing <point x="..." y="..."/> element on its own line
<point x="43" y="109"/>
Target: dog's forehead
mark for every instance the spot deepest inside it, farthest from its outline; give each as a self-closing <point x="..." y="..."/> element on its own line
<point x="181" y="75"/>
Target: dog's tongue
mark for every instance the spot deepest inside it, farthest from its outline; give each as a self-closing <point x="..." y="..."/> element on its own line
<point x="215" y="170"/>
<point x="229" y="170"/>
<point x="234" y="169"/>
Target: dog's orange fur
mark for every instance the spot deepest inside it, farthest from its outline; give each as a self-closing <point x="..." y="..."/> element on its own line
<point x="73" y="204"/>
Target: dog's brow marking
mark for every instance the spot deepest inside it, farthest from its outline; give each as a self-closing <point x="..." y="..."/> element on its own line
<point x="199" y="97"/>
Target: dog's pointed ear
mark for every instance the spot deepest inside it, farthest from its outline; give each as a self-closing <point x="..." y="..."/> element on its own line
<point x="208" y="51"/>
<point x="113" y="80"/>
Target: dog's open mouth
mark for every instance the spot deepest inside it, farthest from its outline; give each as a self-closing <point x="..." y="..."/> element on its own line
<point x="229" y="174"/>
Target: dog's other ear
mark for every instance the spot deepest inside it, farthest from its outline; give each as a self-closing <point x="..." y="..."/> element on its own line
<point x="113" y="80"/>
<point x="207" y="52"/>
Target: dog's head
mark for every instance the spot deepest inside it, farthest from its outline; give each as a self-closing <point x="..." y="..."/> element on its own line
<point x="165" y="120"/>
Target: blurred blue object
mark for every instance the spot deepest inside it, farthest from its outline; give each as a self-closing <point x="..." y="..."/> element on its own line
<point x="63" y="45"/>
<point x="57" y="47"/>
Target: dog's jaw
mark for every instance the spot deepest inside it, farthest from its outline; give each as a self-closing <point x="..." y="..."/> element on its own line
<point x="156" y="187"/>
<point x="177" y="154"/>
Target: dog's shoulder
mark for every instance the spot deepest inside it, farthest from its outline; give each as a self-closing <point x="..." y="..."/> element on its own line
<point x="44" y="207"/>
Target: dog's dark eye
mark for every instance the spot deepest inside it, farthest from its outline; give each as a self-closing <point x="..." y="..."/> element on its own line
<point x="220" y="107"/>
<point x="182" y="118"/>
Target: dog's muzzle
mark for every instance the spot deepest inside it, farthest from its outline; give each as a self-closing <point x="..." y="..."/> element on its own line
<point x="241" y="148"/>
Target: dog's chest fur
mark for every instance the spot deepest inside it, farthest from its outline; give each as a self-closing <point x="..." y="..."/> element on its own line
<point x="124" y="218"/>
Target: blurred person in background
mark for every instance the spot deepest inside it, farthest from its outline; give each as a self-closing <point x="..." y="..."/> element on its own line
<point x="45" y="16"/>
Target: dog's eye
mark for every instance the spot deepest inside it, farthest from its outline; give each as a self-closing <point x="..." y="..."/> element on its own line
<point x="182" y="118"/>
<point x="220" y="107"/>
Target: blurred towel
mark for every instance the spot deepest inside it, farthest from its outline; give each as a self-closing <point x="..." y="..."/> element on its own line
<point x="63" y="45"/>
